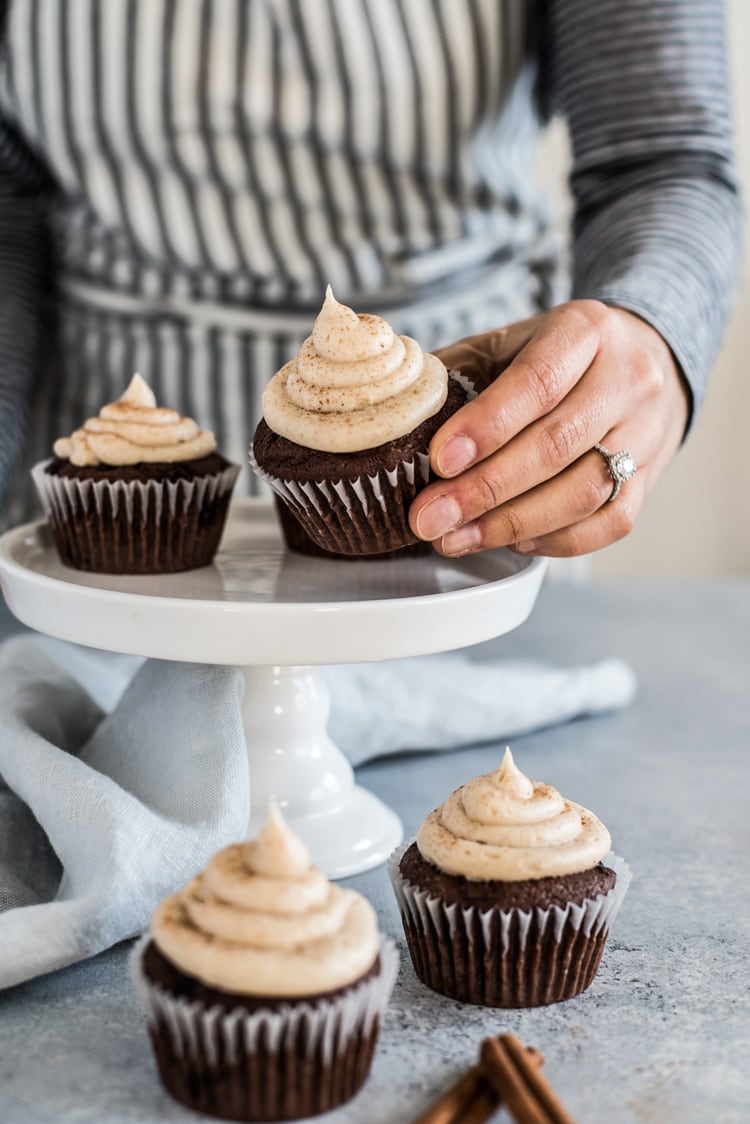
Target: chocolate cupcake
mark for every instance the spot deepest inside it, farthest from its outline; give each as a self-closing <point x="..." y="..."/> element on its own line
<point x="504" y="896"/>
<point x="136" y="490"/>
<point x="264" y="984"/>
<point x="344" y="440"/>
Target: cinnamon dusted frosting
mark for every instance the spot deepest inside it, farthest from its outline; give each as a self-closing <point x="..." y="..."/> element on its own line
<point x="354" y="385"/>
<point x="134" y="430"/>
<point x="504" y="827"/>
<point x="261" y="920"/>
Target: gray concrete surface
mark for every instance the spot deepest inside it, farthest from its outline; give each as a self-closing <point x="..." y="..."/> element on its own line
<point x="663" y="1035"/>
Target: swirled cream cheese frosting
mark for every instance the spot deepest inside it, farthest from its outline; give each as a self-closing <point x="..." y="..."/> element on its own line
<point x="504" y="827"/>
<point x="261" y="920"/>
<point x="354" y="384"/>
<point x="134" y="430"/>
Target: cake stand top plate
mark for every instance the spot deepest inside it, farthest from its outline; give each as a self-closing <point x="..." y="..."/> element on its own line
<point x="259" y="604"/>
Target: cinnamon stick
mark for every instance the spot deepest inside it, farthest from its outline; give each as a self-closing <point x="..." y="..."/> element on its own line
<point x="521" y="1085"/>
<point x="509" y="1084"/>
<point x="453" y="1100"/>
<point x="481" y="1107"/>
<point x="471" y="1100"/>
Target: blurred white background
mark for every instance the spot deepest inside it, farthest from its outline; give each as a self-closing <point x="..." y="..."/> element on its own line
<point x="697" y="521"/>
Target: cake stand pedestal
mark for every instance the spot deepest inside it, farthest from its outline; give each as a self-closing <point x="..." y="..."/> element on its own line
<point x="278" y="617"/>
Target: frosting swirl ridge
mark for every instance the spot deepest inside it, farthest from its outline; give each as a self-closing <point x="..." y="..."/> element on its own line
<point x="504" y="827"/>
<point x="354" y="384"/>
<point x="134" y="430"/>
<point x="261" y="920"/>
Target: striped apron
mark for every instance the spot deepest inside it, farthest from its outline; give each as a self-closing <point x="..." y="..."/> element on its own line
<point x="219" y="162"/>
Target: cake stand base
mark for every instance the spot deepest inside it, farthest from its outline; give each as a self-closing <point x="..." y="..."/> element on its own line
<point x="293" y="761"/>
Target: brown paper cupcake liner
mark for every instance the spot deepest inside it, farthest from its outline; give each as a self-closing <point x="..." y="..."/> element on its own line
<point x="513" y="958"/>
<point x="135" y="527"/>
<point x="297" y="540"/>
<point x="299" y="1060"/>
<point x="366" y="515"/>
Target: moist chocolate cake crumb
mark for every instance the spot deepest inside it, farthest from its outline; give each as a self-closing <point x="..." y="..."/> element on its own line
<point x="161" y="470"/>
<point x="162" y="972"/>
<point x="525" y="895"/>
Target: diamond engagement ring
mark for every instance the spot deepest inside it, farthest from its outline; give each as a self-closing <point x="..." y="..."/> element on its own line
<point x="621" y="467"/>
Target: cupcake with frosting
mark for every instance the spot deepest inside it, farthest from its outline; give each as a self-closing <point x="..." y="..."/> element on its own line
<point x="347" y="424"/>
<point x="264" y="984"/>
<point x="138" y="489"/>
<point x="508" y="892"/>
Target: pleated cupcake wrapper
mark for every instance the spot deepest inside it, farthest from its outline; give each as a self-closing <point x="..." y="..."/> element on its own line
<point x="366" y="515"/>
<point x="297" y="540"/>
<point x="327" y="1025"/>
<point x="121" y="526"/>
<point x="61" y="495"/>
<point x="544" y="941"/>
<point x="361" y="491"/>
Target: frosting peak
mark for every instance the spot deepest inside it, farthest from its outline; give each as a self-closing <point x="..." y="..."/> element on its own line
<point x="354" y="385"/>
<point x="342" y="336"/>
<point x="139" y="393"/>
<point x="134" y="430"/>
<point x="278" y="852"/>
<point x="261" y="920"/>
<point x="504" y="827"/>
<point x="510" y="778"/>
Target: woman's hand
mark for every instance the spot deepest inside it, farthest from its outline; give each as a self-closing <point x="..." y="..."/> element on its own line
<point x="518" y="463"/>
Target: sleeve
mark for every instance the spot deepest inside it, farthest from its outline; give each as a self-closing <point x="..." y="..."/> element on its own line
<point x="644" y="88"/>
<point x="24" y="273"/>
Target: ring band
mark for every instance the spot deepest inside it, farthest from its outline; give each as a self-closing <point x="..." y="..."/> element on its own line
<point x="621" y="467"/>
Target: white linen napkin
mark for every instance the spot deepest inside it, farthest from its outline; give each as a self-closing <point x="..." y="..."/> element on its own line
<point x="115" y="793"/>
<point x="451" y="700"/>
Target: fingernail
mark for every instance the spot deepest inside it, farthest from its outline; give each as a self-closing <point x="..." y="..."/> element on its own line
<point x="437" y="517"/>
<point x="526" y="547"/>
<point x="456" y="454"/>
<point x="465" y="538"/>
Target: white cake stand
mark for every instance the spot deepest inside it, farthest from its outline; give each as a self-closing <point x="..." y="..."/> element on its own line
<point x="276" y="616"/>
